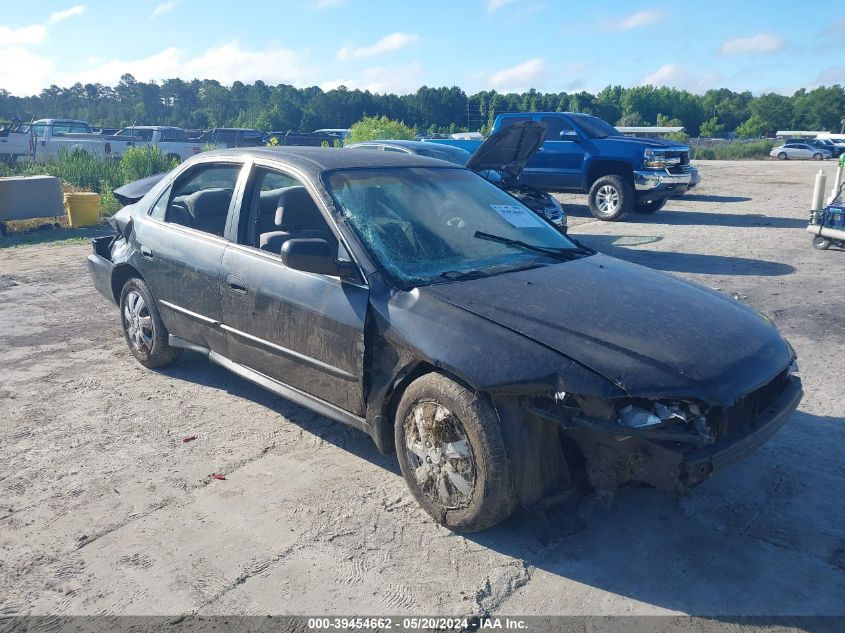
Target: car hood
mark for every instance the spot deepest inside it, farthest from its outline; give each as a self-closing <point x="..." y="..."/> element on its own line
<point x="651" y="334"/>
<point x="509" y="149"/>
<point x="134" y="191"/>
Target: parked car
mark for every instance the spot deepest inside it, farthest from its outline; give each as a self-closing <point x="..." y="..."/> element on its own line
<point x="799" y="151"/>
<point x="584" y="154"/>
<point x="226" y="137"/>
<point x="52" y="136"/>
<point x="824" y="144"/>
<point x="303" y="139"/>
<point x="500" y="160"/>
<point x="838" y="140"/>
<point x="172" y="141"/>
<point x="414" y="300"/>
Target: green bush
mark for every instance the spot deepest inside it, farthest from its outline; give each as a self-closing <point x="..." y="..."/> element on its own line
<point x="140" y="162"/>
<point x="734" y="150"/>
<point x="80" y="169"/>
<point x="373" y="128"/>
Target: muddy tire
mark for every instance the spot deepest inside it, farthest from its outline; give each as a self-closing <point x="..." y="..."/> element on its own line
<point x="143" y="328"/>
<point x="452" y="454"/>
<point x="651" y="206"/>
<point x="821" y="243"/>
<point x="610" y="198"/>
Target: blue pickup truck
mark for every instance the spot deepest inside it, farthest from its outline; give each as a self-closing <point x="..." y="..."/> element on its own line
<point x="584" y="154"/>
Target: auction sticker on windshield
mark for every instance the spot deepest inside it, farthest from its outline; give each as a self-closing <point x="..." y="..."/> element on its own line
<point x="517" y="216"/>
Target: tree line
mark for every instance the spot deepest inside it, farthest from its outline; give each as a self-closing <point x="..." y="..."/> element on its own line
<point x="204" y="104"/>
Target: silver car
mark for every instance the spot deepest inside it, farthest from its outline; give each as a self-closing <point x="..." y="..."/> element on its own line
<point x="800" y="151"/>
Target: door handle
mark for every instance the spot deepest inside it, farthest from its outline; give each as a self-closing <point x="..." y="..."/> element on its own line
<point x="146" y="253"/>
<point x="236" y="284"/>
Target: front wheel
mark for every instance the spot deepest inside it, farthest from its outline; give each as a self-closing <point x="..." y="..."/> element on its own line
<point x="610" y="198"/>
<point x="143" y="328"/>
<point x="817" y="157"/>
<point x="782" y="156"/>
<point x="821" y="243"/>
<point x="451" y="452"/>
<point x="650" y="206"/>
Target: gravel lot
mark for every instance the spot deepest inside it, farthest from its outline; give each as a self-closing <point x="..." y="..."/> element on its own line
<point x="103" y="509"/>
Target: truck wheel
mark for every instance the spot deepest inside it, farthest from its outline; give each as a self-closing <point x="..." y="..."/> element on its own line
<point x="610" y="198"/>
<point x="821" y="243"/>
<point x="650" y="206"/>
<point x="782" y="156"/>
<point x="143" y="328"/>
<point x="452" y="454"/>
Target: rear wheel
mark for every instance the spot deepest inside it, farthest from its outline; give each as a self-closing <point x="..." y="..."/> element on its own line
<point x="143" y="328"/>
<point x="610" y="198"/>
<point x="817" y="156"/>
<point x="782" y="156"/>
<point x="451" y="452"/>
<point x="650" y="206"/>
<point x="821" y="243"/>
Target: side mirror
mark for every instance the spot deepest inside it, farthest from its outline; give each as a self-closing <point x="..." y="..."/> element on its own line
<point x="569" y="135"/>
<point x="312" y="255"/>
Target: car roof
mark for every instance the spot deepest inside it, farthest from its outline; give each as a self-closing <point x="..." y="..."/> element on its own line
<point x="320" y="159"/>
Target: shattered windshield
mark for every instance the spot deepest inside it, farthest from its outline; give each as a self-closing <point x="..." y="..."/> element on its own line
<point x="425" y="225"/>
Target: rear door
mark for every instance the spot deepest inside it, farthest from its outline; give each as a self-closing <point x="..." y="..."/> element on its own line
<point x="182" y="242"/>
<point x="302" y="329"/>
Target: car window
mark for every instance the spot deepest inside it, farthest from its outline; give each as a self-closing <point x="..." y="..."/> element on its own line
<point x="278" y="207"/>
<point x="556" y="125"/>
<point x="200" y="199"/>
<point x="172" y="135"/>
<point x="38" y="130"/>
<point x="513" y="120"/>
<point x="395" y="149"/>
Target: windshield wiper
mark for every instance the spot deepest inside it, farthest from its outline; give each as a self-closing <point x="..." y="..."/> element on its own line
<point x="565" y="254"/>
<point x="463" y="274"/>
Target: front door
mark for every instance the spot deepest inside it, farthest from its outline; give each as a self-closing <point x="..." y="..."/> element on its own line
<point x="558" y="162"/>
<point x="303" y="329"/>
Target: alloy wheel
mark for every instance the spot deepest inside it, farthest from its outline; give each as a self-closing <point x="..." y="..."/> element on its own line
<point x="607" y="199"/>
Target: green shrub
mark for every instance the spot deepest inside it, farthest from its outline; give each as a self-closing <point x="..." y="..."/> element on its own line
<point x="140" y="162"/>
<point x="79" y="169"/>
<point x="734" y="150"/>
<point x="373" y="128"/>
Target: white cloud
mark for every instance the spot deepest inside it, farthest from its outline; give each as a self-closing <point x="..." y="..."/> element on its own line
<point x="676" y="76"/>
<point x="635" y="20"/>
<point x="760" y="43"/>
<point x="495" y="5"/>
<point x="164" y="7"/>
<point x="23" y="72"/>
<point x="387" y="44"/>
<point x="383" y="79"/>
<point x="520" y="77"/>
<point x="226" y="63"/>
<point x="58" y="16"/>
<point x="23" y="36"/>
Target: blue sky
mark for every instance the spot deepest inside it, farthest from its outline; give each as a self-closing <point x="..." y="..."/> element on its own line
<point x="396" y="46"/>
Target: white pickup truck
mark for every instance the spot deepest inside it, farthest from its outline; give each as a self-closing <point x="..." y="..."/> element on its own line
<point x="172" y="141"/>
<point x="52" y="136"/>
<point x="14" y="142"/>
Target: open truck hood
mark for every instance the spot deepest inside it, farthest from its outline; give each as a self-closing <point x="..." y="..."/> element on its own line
<point x="650" y="334"/>
<point x="509" y="150"/>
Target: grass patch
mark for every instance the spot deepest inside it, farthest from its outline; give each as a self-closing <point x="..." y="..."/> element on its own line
<point x="733" y="150"/>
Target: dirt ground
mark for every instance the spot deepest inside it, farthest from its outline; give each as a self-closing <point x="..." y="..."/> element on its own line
<point x="103" y="508"/>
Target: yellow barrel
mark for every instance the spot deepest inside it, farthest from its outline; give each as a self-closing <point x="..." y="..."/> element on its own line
<point x="83" y="209"/>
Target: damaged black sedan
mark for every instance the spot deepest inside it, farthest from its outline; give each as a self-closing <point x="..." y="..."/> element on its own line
<point x="414" y="300"/>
